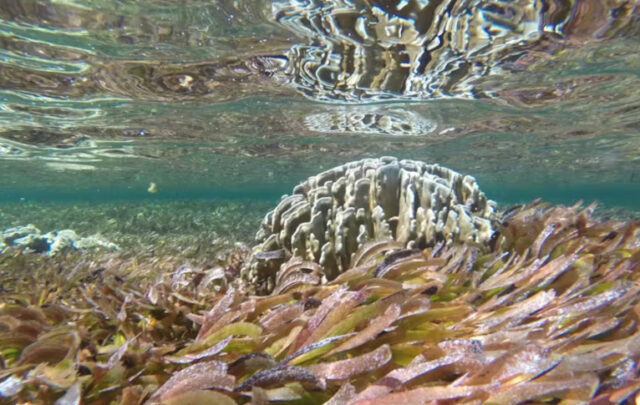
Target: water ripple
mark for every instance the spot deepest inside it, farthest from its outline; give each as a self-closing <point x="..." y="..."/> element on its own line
<point x="232" y="93"/>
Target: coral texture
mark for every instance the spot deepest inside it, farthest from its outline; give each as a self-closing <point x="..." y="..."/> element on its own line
<point x="331" y="215"/>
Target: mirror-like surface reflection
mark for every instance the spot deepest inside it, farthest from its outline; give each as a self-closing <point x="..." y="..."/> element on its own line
<point x="215" y="98"/>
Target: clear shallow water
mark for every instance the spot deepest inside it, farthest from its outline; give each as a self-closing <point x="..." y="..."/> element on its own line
<point x="169" y="127"/>
<point x="242" y="100"/>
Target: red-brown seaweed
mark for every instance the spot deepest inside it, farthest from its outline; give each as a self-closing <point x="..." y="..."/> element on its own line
<point x="549" y="312"/>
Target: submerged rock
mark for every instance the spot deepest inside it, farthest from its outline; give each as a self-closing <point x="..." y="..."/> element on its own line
<point x="33" y="240"/>
<point x="333" y="214"/>
<point x="17" y="235"/>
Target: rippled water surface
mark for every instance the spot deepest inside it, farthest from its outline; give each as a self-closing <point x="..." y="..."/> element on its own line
<point x="243" y="99"/>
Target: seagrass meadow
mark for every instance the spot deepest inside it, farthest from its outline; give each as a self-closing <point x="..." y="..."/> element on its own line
<point x="547" y="313"/>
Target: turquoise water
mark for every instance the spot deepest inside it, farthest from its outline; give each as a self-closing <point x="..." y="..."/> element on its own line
<point x="227" y="100"/>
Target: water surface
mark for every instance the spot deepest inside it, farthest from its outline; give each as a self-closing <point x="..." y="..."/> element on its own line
<point x="242" y="100"/>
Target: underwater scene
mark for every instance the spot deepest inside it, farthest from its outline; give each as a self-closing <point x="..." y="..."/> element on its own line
<point x="319" y="201"/>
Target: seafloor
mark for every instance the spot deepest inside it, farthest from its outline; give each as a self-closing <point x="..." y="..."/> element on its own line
<point x="146" y="228"/>
<point x="179" y="228"/>
<point x="549" y="313"/>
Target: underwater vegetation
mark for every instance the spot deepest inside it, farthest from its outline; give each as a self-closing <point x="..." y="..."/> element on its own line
<point x="547" y="312"/>
<point x="186" y="229"/>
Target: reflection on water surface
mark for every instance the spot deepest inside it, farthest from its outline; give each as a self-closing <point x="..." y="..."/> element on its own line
<point x="211" y="98"/>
